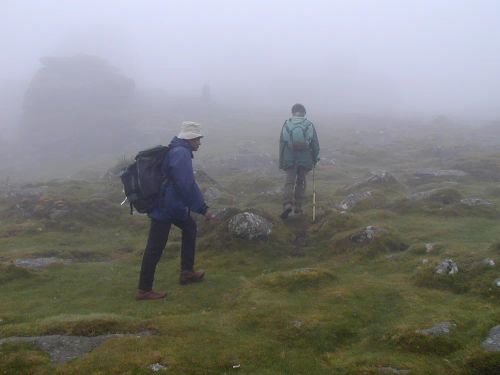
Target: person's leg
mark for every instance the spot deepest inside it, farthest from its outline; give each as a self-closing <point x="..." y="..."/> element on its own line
<point x="288" y="200"/>
<point x="157" y="239"/>
<point x="300" y="188"/>
<point x="188" y="248"/>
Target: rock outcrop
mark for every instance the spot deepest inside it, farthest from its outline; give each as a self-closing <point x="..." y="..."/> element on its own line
<point x="250" y="226"/>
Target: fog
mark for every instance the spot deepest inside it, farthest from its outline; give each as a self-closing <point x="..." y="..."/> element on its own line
<point x="411" y="57"/>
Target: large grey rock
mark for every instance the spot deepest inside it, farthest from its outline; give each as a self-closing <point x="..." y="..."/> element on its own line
<point x="472" y="202"/>
<point x="427" y="172"/>
<point x="65" y="348"/>
<point x="440" y="329"/>
<point x="446" y="267"/>
<point x="352" y="200"/>
<point x="367" y="234"/>
<point x="250" y="226"/>
<point x="492" y="341"/>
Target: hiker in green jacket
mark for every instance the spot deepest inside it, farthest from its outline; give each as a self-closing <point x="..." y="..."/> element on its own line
<point x="299" y="150"/>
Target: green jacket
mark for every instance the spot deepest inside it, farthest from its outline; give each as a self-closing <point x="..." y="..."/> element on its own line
<point x="307" y="158"/>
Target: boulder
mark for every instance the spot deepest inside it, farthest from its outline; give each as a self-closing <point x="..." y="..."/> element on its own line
<point x="250" y="226"/>
<point x="492" y="341"/>
<point x="352" y="200"/>
<point x="472" y="202"/>
<point x="447" y="267"/>
<point x="440" y="329"/>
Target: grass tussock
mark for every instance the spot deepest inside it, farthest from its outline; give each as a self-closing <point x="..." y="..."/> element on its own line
<point x="428" y="278"/>
<point x="473" y="276"/>
<point x="482" y="363"/>
<point x="23" y="358"/>
<point x="414" y="342"/>
<point x="387" y="241"/>
<point x="79" y="325"/>
<point x="10" y="273"/>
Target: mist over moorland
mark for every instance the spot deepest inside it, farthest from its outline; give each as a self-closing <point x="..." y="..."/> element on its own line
<point x="396" y="274"/>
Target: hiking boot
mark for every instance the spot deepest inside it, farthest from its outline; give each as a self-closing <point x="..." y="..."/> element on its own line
<point x="149" y="295"/>
<point x="188" y="277"/>
<point x="286" y="211"/>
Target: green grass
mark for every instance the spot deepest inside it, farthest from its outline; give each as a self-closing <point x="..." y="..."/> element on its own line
<point x="321" y="305"/>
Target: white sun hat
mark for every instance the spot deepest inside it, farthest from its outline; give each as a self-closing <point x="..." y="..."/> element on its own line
<point x="190" y="130"/>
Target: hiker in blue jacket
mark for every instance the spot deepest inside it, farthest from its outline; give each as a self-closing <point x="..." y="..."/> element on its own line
<point x="181" y="196"/>
<point x="299" y="150"/>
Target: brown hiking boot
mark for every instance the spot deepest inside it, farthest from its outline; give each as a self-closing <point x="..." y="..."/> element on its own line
<point x="188" y="277"/>
<point x="151" y="295"/>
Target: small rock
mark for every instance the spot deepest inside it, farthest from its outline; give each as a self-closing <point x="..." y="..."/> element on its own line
<point x="352" y="200"/>
<point x="425" y="261"/>
<point x="472" y="202"/>
<point x="492" y="342"/>
<point x="488" y="262"/>
<point x="390" y="370"/>
<point x="297" y="323"/>
<point x="440" y="329"/>
<point x="429" y="247"/>
<point x="497" y="283"/>
<point x="157" y="367"/>
<point x="447" y="267"/>
<point x="250" y="226"/>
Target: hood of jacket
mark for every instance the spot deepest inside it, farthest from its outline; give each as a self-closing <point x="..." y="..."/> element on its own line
<point x="296" y="120"/>
<point x="177" y="142"/>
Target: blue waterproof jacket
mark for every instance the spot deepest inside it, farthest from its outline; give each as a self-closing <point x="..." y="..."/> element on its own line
<point x="181" y="193"/>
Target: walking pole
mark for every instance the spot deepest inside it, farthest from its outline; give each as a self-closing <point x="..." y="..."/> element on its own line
<point x="314" y="196"/>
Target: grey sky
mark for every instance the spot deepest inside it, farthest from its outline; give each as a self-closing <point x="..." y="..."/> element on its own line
<point x="362" y="56"/>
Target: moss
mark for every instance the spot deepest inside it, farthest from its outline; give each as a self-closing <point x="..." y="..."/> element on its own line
<point x="296" y="279"/>
<point x="482" y="363"/>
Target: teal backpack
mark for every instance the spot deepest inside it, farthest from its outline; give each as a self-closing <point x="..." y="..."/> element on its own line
<point x="299" y="140"/>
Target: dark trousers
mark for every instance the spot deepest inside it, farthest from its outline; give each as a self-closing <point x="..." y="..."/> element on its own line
<point x="157" y="240"/>
<point x="295" y="186"/>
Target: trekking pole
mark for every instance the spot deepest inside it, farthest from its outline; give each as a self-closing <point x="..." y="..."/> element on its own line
<point x="314" y="196"/>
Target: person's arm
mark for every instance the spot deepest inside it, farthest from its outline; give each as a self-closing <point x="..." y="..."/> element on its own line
<point x="282" y="146"/>
<point x="315" y="146"/>
<point x="181" y="169"/>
